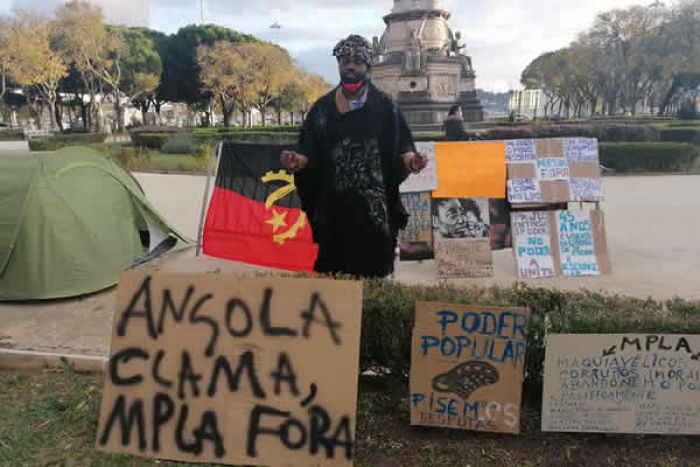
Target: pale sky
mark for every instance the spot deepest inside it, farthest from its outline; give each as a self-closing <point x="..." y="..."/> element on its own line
<point x="502" y="36"/>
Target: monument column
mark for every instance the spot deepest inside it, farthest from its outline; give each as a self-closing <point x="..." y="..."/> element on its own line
<point x="423" y="64"/>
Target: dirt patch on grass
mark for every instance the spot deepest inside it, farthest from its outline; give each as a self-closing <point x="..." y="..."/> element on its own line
<point x="49" y="418"/>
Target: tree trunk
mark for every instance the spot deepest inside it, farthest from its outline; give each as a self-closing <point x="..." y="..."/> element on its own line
<point x="157" y="105"/>
<point x="59" y="115"/>
<point x="119" y="110"/>
<point x="52" y="112"/>
<point x="279" y="112"/>
<point x="263" y="114"/>
<point x="227" y="113"/>
<point x="54" y="115"/>
<point x="3" y="85"/>
<point x="143" y="107"/>
<point x="95" y="120"/>
<point x="34" y="109"/>
<point x="71" y="119"/>
<point x="84" y="115"/>
<point x="91" y="120"/>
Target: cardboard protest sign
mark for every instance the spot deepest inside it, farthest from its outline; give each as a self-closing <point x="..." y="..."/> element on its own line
<point x="560" y="243"/>
<point x="471" y="169"/>
<point x="461" y="232"/>
<point x="467" y="367"/>
<point x="426" y="180"/>
<point x="532" y="244"/>
<point x="416" y="240"/>
<point x="645" y="384"/>
<point x="216" y="368"/>
<point x="464" y="258"/>
<point x="582" y="243"/>
<point x="553" y="170"/>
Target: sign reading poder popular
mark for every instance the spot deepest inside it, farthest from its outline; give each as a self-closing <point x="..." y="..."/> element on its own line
<point x="467" y="367"/>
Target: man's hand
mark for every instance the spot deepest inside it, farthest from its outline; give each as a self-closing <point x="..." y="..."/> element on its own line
<point x="415" y="161"/>
<point x="293" y="161"/>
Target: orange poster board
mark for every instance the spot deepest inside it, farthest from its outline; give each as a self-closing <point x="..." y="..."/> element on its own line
<point x="471" y="169"/>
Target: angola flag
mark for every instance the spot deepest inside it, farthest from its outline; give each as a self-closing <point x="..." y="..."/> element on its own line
<point x="255" y="214"/>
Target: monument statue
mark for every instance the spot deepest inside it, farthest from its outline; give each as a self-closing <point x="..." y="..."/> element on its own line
<point x="376" y="47"/>
<point x="457" y="44"/>
<point x="414" y="54"/>
<point x="424" y="65"/>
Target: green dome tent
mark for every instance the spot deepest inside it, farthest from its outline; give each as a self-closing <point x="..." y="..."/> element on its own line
<point x="70" y="222"/>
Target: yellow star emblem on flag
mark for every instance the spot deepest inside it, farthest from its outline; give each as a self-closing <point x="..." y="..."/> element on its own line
<point x="277" y="221"/>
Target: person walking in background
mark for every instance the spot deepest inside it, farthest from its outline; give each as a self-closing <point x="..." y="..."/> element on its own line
<point x="453" y="126"/>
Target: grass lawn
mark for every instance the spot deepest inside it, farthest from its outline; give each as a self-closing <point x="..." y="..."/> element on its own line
<point x="170" y="163"/>
<point x="149" y="160"/>
<point x="49" y="418"/>
<point x="677" y="124"/>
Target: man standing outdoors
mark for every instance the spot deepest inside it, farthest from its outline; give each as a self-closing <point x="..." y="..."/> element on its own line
<point x="355" y="149"/>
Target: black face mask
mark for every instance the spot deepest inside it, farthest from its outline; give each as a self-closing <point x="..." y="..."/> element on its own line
<point x="352" y="78"/>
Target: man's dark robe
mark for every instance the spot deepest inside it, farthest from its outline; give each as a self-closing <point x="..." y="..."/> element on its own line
<point x="350" y="189"/>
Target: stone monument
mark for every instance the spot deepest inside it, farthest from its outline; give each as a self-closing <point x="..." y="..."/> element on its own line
<point x="423" y="65"/>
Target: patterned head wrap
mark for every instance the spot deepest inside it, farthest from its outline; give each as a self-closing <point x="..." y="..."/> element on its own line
<point x="354" y="46"/>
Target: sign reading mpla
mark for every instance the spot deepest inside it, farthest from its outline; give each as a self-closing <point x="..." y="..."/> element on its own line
<point x="622" y="383"/>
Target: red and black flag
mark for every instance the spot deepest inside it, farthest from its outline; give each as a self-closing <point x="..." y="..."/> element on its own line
<point x="255" y="213"/>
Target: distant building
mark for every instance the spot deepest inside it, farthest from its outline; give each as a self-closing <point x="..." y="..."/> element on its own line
<point x="534" y="103"/>
<point x="528" y="103"/>
<point x="495" y="103"/>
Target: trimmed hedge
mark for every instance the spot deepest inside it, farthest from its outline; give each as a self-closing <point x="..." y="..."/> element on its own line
<point x="150" y="140"/>
<point x="622" y="132"/>
<point x="156" y="129"/>
<point x="681" y="135"/>
<point x="158" y="140"/>
<point x="58" y="141"/>
<point x="684" y="123"/>
<point x="604" y="132"/>
<point x="425" y="136"/>
<point x="178" y="143"/>
<point x="255" y="129"/>
<point x="388" y="316"/>
<point x="249" y="137"/>
<point x="648" y="157"/>
<point x="11" y="135"/>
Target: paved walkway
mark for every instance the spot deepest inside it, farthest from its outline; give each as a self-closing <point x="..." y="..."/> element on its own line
<point x="652" y="224"/>
<point x="14" y="146"/>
